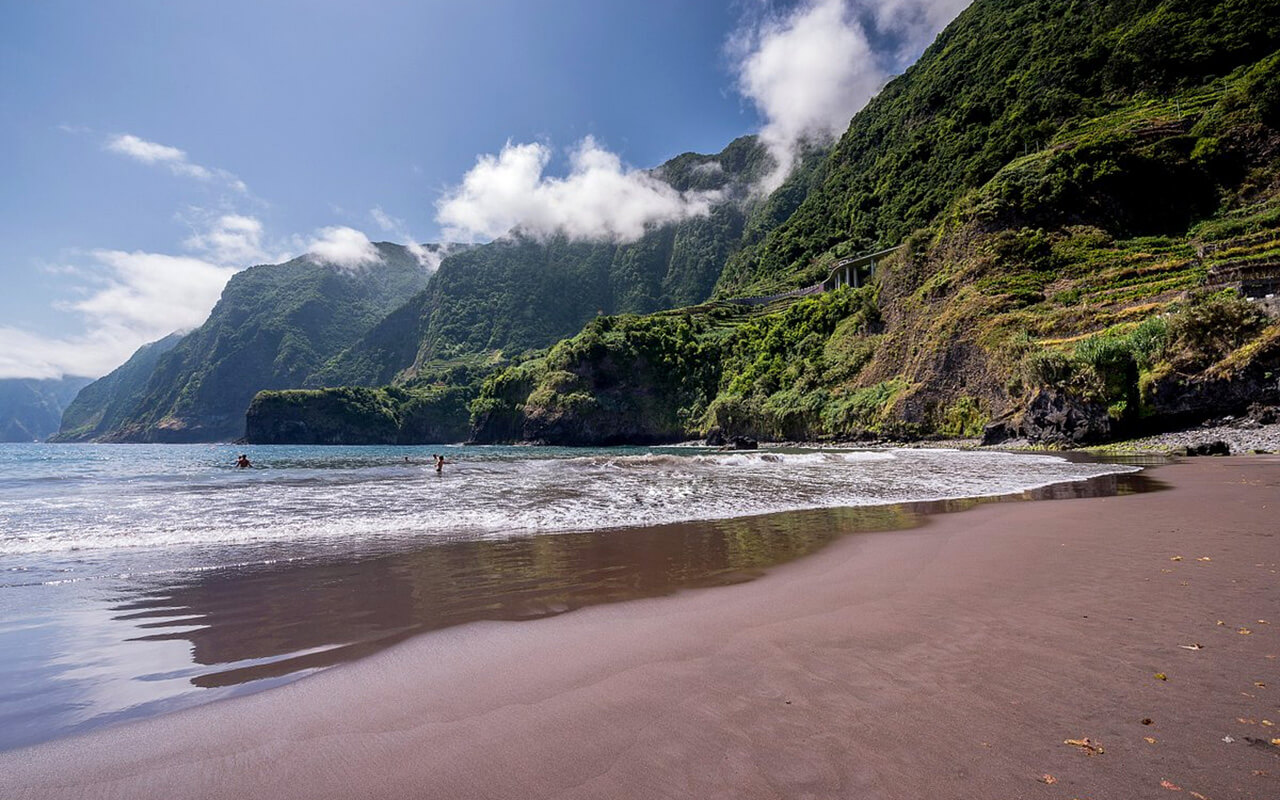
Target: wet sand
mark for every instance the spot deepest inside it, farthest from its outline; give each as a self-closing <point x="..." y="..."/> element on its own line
<point x="949" y="660"/>
<point x="126" y="646"/>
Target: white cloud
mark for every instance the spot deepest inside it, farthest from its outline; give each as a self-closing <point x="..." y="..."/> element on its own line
<point x="231" y="239"/>
<point x="343" y="247"/>
<point x="134" y="298"/>
<point x="916" y="23"/>
<point x="154" y="292"/>
<point x="808" y="74"/>
<point x="428" y="257"/>
<point x="28" y="355"/>
<point x="599" y="199"/>
<point x="129" y="298"/>
<point x="173" y="158"/>
<point x="810" y="71"/>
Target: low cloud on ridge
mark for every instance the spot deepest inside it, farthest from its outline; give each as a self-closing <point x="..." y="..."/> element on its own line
<point x="810" y="70"/>
<point x="807" y="71"/>
<point x="342" y="247"/>
<point x="429" y="258"/>
<point x="600" y="198"/>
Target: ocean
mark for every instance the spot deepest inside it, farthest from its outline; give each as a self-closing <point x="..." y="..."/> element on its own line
<point x="137" y="579"/>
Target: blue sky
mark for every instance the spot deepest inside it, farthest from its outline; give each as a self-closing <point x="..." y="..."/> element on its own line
<point x="150" y="149"/>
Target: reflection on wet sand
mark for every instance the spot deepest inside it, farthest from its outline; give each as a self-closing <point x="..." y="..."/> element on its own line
<point x="271" y="620"/>
<point x="144" y="644"/>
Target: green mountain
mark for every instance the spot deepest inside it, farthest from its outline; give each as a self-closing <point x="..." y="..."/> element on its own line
<point x="31" y="408"/>
<point x="998" y="84"/>
<point x="490" y="304"/>
<point x="103" y="405"/>
<point x="1085" y="192"/>
<point x="274" y="327"/>
<point x="521" y="293"/>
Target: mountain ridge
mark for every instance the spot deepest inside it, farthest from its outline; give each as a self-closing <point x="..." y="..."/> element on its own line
<point x="273" y="326"/>
<point x="31" y="408"/>
<point x="1058" y="276"/>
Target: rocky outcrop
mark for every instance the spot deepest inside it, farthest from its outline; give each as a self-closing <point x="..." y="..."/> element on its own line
<point x="1214" y="448"/>
<point x="354" y="415"/>
<point x="350" y="416"/>
<point x="1001" y="431"/>
<point x="1180" y="401"/>
<point x="1054" y="417"/>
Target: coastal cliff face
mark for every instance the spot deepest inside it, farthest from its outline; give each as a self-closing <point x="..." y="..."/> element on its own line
<point x="358" y="415"/>
<point x="623" y="380"/>
<point x="1083" y="193"/>
<point x="274" y="327"/>
<point x="102" y="406"/>
<point x="1082" y="190"/>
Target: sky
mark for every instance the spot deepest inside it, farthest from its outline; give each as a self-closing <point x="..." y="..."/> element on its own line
<point x="150" y="149"/>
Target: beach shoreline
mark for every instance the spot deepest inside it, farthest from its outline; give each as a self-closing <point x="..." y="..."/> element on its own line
<point x="950" y="659"/>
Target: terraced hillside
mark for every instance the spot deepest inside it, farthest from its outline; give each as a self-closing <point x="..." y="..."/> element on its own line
<point x="1072" y="295"/>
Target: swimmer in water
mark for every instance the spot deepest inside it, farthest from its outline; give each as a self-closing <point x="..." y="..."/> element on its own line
<point x="243" y="462"/>
<point x="440" y="462"/>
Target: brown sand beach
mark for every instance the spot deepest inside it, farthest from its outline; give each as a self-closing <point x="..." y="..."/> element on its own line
<point x="969" y="657"/>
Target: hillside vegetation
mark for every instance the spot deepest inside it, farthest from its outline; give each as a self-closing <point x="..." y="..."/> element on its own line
<point x="275" y="326"/>
<point x="1000" y="82"/>
<point x="526" y="292"/>
<point x="1081" y="188"/>
<point x="105" y="404"/>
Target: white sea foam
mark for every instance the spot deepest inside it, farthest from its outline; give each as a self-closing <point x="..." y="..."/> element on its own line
<point x="139" y="497"/>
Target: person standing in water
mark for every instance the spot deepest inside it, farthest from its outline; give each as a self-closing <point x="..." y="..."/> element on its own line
<point x="243" y="462"/>
<point x="440" y="462"/>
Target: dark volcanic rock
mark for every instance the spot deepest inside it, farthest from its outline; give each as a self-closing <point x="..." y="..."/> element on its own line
<point x="743" y="443"/>
<point x="1254" y="390"/>
<point x="1263" y="415"/>
<point x="999" y="432"/>
<point x="1054" y="417"/>
<point x="715" y="437"/>
<point x="1215" y="448"/>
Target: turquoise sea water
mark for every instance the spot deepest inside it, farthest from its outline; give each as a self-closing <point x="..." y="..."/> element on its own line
<point x="139" y="578"/>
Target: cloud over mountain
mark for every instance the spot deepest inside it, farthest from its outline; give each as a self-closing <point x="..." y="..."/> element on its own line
<point x="810" y="70"/>
<point x="342" y="247"/>
<point x="429" y="258"/>
<point x="600" y="198"/>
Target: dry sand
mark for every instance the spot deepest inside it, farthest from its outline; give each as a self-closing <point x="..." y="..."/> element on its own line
<point x="951" y="660"/>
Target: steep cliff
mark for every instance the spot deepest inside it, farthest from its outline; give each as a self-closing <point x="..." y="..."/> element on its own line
<point x="359" y="415"/>
<point x="274" y="327"/>
<point x="999" y="83"/>
<point x="102" y="405"/>
<point x="1082" y="190"/>
<point x="523" y="292"/>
